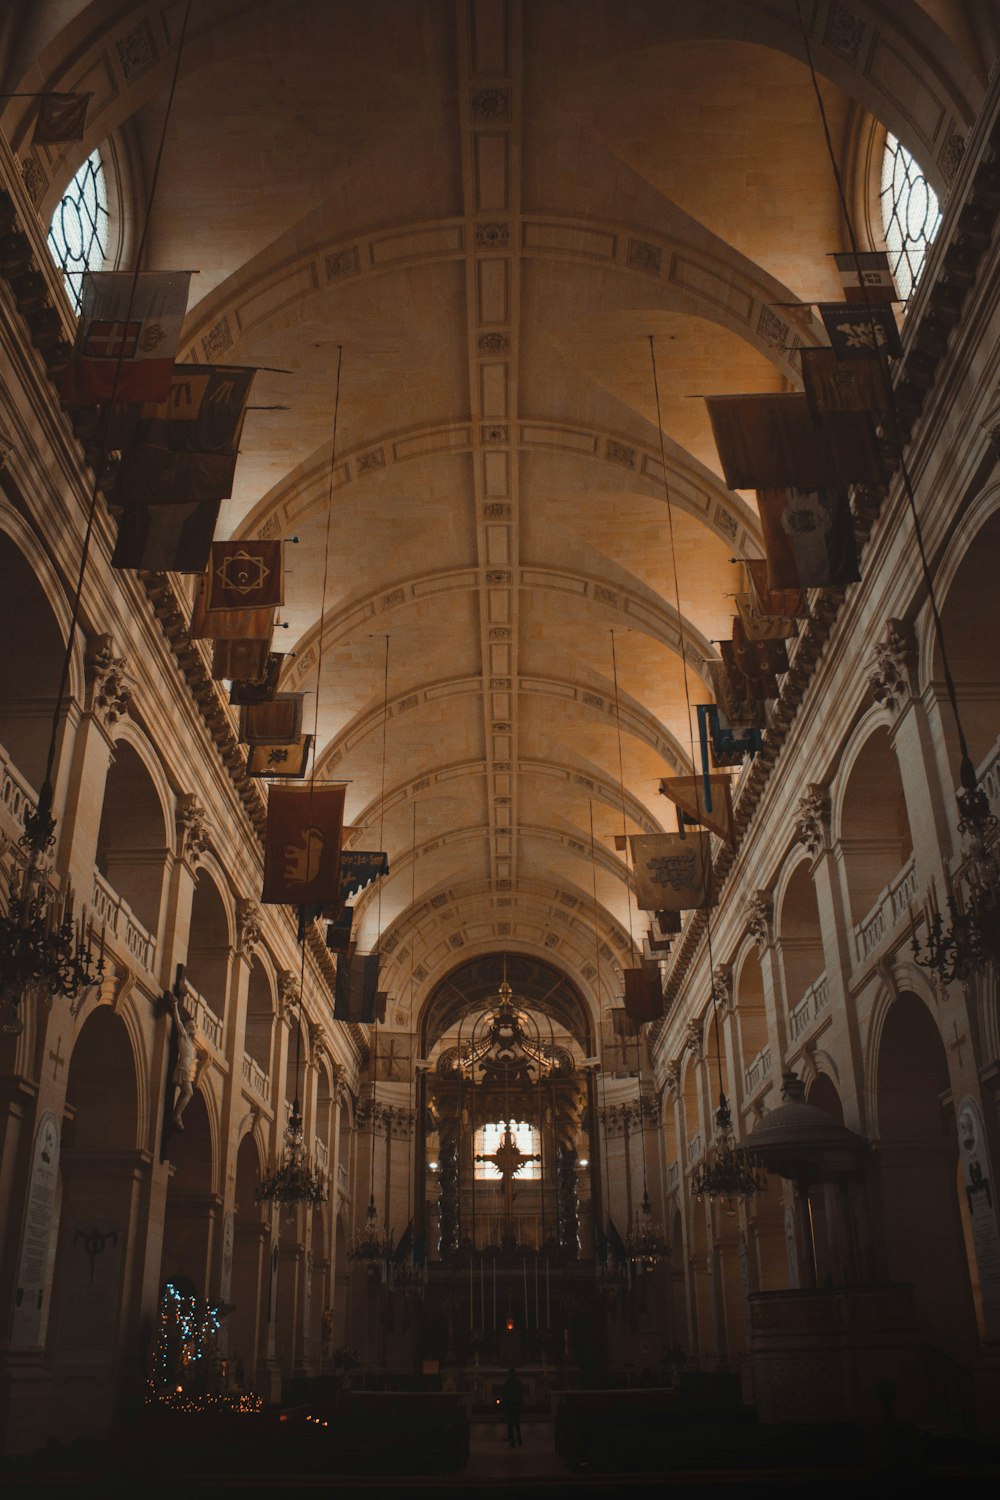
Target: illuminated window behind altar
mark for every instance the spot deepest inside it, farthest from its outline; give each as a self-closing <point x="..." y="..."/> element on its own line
<point x="526" y="1138"/>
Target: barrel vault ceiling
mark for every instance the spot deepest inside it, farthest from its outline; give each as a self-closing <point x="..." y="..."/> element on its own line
<point x="489" y="206"/>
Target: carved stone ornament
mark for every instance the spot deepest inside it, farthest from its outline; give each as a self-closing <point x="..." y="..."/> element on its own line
<point x="289" y="994"/>
<point x="672" y="1075"/>
<point x="110" y="689"/>
<point x="192" y="827"/>
<point x="893" y="671"/>
<point x="317" y="1038"/>
<point x="692" y="1036"/>
<point x="248" y="923"/>
<point x="722" y="986"/>
<point x="759" y="912"/>
<point x="812" y="818"/>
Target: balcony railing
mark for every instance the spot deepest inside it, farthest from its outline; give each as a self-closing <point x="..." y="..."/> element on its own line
<point x="256" y="1080"/>
<point x="17" y="797"/>
<point x="207" y="1022"/>
<point x="887" y="912"/>
<point x="812" y="1005"/>
<point x="111" y="909"/>
<point x="758" y="1070"/>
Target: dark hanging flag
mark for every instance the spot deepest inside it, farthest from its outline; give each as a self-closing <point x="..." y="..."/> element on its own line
<point x="125" y="341"/>
<point x="760" y="627"/>
<point x="787" y="603"/>
<point x="356" y="989"/>
<point x="809" y="538"/>
<point x="672" y="873"/>
<point x="276" y="723"/>
<point x="776" y="435"/>
<point x="669" y="922"/>
<point x="203" y="412"/>
<point x="730" y="746"/>
<point x="166" y="538"/>
<point x="621" y="1022"/>
<point x="704" y="800"/>
<point x="61" y="118"/>
<point x="850" y="330"/>
<point x="834" y="384"/>
<point x="759" y="659"/>
<point x="245" y="575"/>
<point x="655" y="943"/>
<point x="875" y="284"/>
<point x="259" y="689"/>
<point x="228" y="624"/>
<point x="358" y="868"/>
<point x="748" y="695"/>
<point x="236" y="660"/>
<point x="288" y="761"/>
<point x="381" y="1002"/>
<point x="338" y="933"/>
<point x="157" y="476"/>
<point x="738" y="709"/>
<point x="302" y="848"/>
<point x="643" y="996"/>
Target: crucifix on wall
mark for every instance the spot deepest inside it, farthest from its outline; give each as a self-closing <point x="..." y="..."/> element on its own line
<point x="508" y="1159"/>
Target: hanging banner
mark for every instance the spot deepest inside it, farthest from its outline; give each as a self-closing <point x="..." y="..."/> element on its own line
<point x="730" y="746"/>
<point x="746" y="690"/>
<point x="281" y="761"/>
<point x="228" y="624"/>
<point x="302" y="847"/>
<point x="61" y="118"/>
<point x="245" y="575"/>
<point x="338" y="933"/>
<point x="850" y="330"/>
<point x="166" y="538"/>
<point x="278" y="722"/>
<point x="203" y="413"/>
<point x="155" y="476"/>
<point x="834" y="384"/>
<point x="238" y="660"/>
<point x="356" y="989"/>
<point x="258" y="689"/>
<point x="766" y="659"/>
<point x="672" y="873"/>
<point x="126" y="340"/>
<point x="739" y="711"/>
<point x="874" y="284"/>
<point x="703" y="799"/>
<point x="758" y="627"/>
<point x="809" y="538"/>
<point x="786" y="603"/>
<point x="776" y="435"/>
<point x="643" y="996"/>
<point x="358" y="868"/>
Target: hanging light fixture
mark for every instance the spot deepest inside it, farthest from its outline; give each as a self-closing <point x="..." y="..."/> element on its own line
<point x="42" y="948"/>
<point x="727" y="1172"/>
<point x="973" y="936"/>
<point x="295" y="1182"/>
<point x="645" y="1242"/>
<point x="372" y="1245"/>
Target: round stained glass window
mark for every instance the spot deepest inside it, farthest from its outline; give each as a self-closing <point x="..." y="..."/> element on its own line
<point x="79" y="232"/>
<point x="911" y="215"/>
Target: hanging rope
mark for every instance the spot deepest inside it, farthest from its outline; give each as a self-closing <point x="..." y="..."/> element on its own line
<point x="326" y="568"/>
<point x="621" y="788"/>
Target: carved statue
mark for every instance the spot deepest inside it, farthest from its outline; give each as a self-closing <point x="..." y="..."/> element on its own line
<point x="187" y="1061"/>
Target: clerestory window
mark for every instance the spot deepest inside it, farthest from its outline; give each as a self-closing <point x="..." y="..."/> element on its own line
<point x="911" y="215"/>
<point x="80" y="230"/>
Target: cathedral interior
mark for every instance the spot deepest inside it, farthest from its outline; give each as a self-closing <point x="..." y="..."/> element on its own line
<point x="712" y="1172"/>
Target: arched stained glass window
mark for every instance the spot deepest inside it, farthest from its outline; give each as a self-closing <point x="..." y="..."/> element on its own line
<point x="910" y="215"/>
<point x="79" y="232"/>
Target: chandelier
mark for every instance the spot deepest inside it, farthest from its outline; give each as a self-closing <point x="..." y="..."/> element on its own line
<point x="294" y="1181"/>
<point x="727" y="1172"/>
<point x="644" y="1242"/>
<point x="41" y="947"/>
<point x="372" y="1246"/>
<point x="973" y="938"/>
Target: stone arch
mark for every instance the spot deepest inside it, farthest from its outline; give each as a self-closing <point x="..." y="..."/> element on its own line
<point x="798" y="934"/>
<point x="210" y="942"/>
<point x="32" y="659"/>
<point x="872" y="828"/>
<point x="134" y="836"/>
<point x="750" y="1005"/>
<point x="250" y="1241"/>
<point x="258" y="1039"/>
<point x="917" y="1150"/>
<point x="192" y="1215"/>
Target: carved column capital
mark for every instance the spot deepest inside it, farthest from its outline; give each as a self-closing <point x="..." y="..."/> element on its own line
<point x="248" y="925"/>
<point x="812" y="818"/>
<point x="192" y="827"/>
<point x="722" y="986"/>
<point x="289" y="995"/>
<point x="672" y="1075"/>
<point x="109" y="690"/>
<point x="317" y="1039"/>
<point x="692" y="1037"/>
<point x="759" y="913"/>
<point x="893" y="673"/>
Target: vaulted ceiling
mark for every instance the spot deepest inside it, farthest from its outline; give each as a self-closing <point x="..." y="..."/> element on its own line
<point x="489" y="206"/>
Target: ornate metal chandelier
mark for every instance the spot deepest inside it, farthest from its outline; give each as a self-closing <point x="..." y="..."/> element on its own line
<point x="727" y="1172"/>
<point x="41" y="947"/>
<point x="372" y="1245"/>
<point x="973" y="937"/>
<point x="645" y="1242"/>
<point x="294" y="1181"/>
